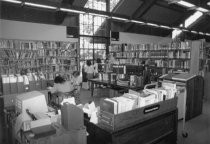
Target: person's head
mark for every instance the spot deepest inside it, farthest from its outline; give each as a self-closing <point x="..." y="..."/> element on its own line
<point x="76" y="73"/>
<point x="59" y="79"/>
<point x="98" y="60"/>
<point x="88" y="63"/>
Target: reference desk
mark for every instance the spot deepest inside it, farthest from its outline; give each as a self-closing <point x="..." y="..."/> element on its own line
<point x="161" y="129"/>
<point x="111" y="85"/>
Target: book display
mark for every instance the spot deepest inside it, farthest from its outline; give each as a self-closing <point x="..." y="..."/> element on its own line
<point x="175" y="55"/>
<point x="38" y="60"/>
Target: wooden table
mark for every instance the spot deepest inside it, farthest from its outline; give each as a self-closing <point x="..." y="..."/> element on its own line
<point x="161" y="129"/>
<point x="111" y="85"/>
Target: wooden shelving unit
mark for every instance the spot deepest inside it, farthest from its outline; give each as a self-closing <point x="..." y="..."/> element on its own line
<point x="175" y="55"/>
<point x="48" y="57"/>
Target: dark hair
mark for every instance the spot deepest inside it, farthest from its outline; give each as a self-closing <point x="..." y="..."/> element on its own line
<point x="59" y="79"/>
<point x="98" y="60"/>
<point x="88" y="62"/>
<point x="76" y="73"/>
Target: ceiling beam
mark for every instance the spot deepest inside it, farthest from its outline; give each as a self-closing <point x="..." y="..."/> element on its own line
<point x="141" y="11"/>
<point x="68" y="2"/>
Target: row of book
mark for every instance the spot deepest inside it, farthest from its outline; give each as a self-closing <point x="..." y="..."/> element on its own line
<point x="149" y="47"/>
<point x="179" y="64"/>
<point x="178" y="54"/>
<point x="152" y="54"/>
<point x="133" y="99"/>
<point x="57" y="53"/>
<point x="34" y="45"/>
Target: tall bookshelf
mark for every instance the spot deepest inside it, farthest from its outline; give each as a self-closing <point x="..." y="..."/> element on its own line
<point x="48" y="57"/>
<point x="173" y="56"/>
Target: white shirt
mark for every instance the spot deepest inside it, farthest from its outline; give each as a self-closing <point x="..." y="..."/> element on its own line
<point x="89" y="69"/>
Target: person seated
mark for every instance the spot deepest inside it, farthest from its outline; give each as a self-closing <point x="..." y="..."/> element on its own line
<point x="61" y="89"/>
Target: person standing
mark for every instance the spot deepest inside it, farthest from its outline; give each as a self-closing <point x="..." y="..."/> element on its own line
<point x="90" y="71"/>
<point x="97" y="67"/>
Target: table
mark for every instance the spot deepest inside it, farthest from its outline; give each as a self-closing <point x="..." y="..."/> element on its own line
<point x="111" y="85"/>
<point x="156" y="130"/>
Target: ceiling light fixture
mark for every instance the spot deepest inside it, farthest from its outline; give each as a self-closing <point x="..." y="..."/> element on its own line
<point x="202" y="9"/>
<point x="201" y="33"/>
<point x="13" y="1"/>
<point x="166" y="27"/>
<point x="208" y="34"/>
<point x="208" y="3"/>
<point x="71" y="10"/>
<point x="195" y="32"/>
<point x="118" y="18"/>
<point x="39" y="5"/>
<point x="186" y="4"/>
<point x="152" y="24"/>
<point x="139" y="22"/>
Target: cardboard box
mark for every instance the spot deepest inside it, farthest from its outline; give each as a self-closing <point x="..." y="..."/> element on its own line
<point x="32" y="85"/>
<point x="5" y="84"/>
<point x="43" y="84"/>
<point x="20" y="87"/>
<point x="38" y="85"/>
<point x="13" y="88"/>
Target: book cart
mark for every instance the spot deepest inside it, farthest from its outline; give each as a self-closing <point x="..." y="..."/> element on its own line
<point x="150" y="124"/>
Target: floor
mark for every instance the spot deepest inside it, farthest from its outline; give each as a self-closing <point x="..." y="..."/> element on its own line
<point x="198" y="128"/>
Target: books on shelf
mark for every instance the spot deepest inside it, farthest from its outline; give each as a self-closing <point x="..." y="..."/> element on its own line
<point x="45" y="56"/>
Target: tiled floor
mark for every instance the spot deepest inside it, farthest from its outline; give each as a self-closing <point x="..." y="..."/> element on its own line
<point x="198" y="128"/>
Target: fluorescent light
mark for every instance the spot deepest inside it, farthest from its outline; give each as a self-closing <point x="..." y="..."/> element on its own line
<point x="118" y="18"/>
<point x="39" y="5"/>
<point x="151" y="24"/>
<point x="175" y="33"/>
<point x="201" y="33"/>
<point x="208" y="3"/>
<point x="135" y="21"/>
<point x="202" y="9"/>
<point x="185" y="30"/>
<point x="71" y="10"/>
<point x="13" y="1"/>
<point x="101" y="15"/>
<point x="208" y="34"/>
<point x="193" y="18"/>
<point x="195" y="32"/>
<point x="167" y="27"/>
<point x="186" y="4"/>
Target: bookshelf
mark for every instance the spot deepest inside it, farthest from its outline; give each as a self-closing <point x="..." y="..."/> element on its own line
<point x="173" y="56"/>
<point x="48" y="57"/>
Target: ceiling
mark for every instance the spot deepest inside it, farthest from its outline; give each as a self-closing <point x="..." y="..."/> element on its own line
<point x="153" y="11"/>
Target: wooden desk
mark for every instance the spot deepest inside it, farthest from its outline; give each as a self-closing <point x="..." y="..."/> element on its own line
<point x="111" y="85"/>
<point x="159" y="129"/>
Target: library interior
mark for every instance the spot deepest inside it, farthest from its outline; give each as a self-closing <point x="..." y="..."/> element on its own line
<point x="105" y="71"/>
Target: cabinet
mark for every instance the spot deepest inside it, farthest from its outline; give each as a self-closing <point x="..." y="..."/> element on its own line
<point x="194" y="94"/>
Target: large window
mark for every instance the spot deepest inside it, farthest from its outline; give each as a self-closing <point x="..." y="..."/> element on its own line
<point x="92" y="47"/>
<point x="94" y="36"/>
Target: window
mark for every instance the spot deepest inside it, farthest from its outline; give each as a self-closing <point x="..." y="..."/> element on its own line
<point x="94" y="37"/>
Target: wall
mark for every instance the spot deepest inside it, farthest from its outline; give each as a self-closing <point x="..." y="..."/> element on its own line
<point x="140" y="39"/>
<point x="33" y="31"/>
